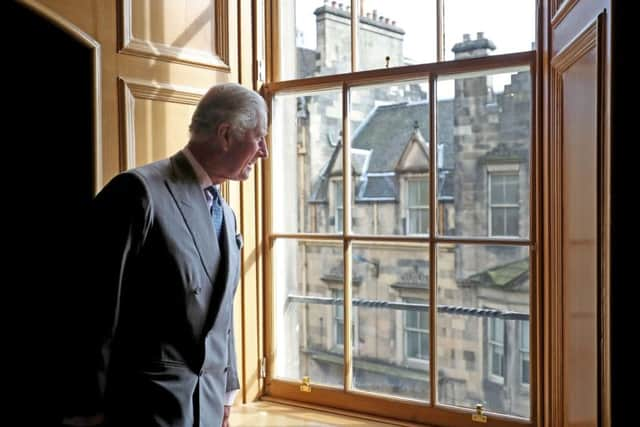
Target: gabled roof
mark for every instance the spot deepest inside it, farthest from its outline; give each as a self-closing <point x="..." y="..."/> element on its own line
<point x="388" y="128"/>
<point x="379" y="143"/>
<point x="359" y="161"/>
<point x="415" y="156"/>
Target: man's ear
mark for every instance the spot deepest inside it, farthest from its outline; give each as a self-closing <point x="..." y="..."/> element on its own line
<point x="224" y="135"/>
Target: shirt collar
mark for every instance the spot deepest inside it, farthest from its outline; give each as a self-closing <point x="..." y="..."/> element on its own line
<point x="203" y="177"/>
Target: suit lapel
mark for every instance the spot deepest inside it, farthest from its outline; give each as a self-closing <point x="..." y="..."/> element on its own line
<point x="190" y="201"/>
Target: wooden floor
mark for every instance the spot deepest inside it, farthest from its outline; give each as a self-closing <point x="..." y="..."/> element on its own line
<point x="260" y="414"/>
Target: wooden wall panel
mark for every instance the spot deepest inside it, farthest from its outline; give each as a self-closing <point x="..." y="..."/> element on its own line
<point x="576" y="228"/>
<point x="580" y="239"/>
<point x="191" y="31"/>
<point x="152" y="122"/>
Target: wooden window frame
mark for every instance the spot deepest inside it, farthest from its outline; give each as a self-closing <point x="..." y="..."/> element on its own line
<point x="348" y="398"/>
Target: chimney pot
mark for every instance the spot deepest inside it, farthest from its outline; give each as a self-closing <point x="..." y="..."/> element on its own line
<point x="368" y="14"/>
<point x="333" y="4"/>
<point x="480" y="35"/>
<point x="393" y="23"/>
<point x="375" y="14"/>
<point x="465" y="37"/>
<point x="386" y="21"/>
<point x="340" y="6"/>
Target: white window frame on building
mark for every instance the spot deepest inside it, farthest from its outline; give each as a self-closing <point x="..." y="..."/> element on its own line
<point x="415" y="330"/>
<point x="502" y="172"/>
<point x="495" y="348"/>
<point x="338" y="320"/>
<point x="337" y="192"/>
<point x="417" y="209"/>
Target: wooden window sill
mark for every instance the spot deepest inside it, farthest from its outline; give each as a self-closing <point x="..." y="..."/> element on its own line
<point x="287" y="414"/>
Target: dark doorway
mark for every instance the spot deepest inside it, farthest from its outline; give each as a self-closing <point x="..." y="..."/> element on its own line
<point x="47" y="190"/>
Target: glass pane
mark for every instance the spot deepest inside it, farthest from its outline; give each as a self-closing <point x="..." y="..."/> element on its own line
<point x="391" y="338"/>
<point x="338" y="200"/>
<point x="498" y="227"/>
<point x="306" y="134"/>
<point x="524" y="335"/>
<point x="484" y="151"/>
<point x="512" y="221"/>
<point x="418" y="192"/>
<point x="497" y="26"/>
<point x="496" y="357"/>
<point x="315" y="38"/>
<point x="404" y="31"/>
<point x="308" y="281"/>
<point x="524" y="352"/>
<point x="479" y="352"/>
<point x="511" y="188"/>
<point x="389" y="146"/>
<point x="496" y="331"/>
<point x="525" y="370"/>
<point x="418" y="221"/>
<point x="497" y="188"/>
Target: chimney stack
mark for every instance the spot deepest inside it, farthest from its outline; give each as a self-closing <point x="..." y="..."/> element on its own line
<point x="468" y="48"/>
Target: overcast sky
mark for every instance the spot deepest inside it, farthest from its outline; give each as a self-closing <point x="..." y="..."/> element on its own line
<point x="510" y="24"/>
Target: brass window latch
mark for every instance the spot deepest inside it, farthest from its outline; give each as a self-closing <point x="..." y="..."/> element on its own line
<point x="479" y="416"/>
<point x="306" y="385"/>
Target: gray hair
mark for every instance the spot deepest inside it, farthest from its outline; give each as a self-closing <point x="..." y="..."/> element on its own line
<point x="232" y="103"/>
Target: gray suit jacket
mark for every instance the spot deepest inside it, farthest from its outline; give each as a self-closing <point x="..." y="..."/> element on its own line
<point x="164" y="300"/>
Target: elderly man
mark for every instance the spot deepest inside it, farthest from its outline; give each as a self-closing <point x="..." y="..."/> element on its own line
<point x="167" y="251"/>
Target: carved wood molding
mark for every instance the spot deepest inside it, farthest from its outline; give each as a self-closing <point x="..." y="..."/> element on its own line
<point x="219" y="59"/>
<point x="560" y="9"/>
<point x="96" y="80"/>
<point x="589" y="39"/>
<point x="131" y="89"/>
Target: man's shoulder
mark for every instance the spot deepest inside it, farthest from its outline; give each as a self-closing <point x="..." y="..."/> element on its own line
<point x="142" y="177"/>
<point x="154" y="169"/>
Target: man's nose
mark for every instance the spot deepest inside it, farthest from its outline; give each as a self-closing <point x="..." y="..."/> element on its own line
<point x="264" y="151"/>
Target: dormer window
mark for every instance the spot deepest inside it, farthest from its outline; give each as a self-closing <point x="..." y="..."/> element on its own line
<point x="417" y="220"/>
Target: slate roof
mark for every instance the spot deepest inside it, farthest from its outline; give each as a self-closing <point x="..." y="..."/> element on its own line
<point x="377" y="186"/>
<point x="396" y="122"/>
<point x="384" y="134"/>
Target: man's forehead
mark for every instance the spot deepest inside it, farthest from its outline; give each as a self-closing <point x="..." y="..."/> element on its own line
<point x="262" y="125"/>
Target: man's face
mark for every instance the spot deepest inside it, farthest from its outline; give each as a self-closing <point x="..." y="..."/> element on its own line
<point x="244" y="151"/>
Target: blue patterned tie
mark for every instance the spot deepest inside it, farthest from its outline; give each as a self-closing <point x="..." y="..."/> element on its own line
<point x="216" y="211"/>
